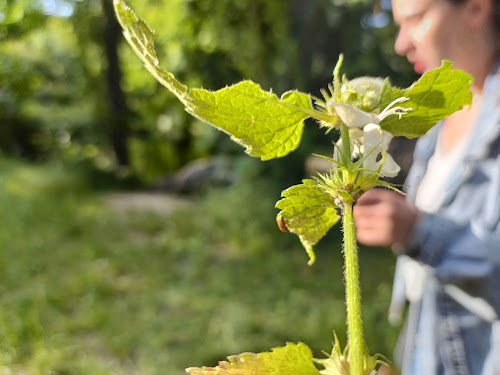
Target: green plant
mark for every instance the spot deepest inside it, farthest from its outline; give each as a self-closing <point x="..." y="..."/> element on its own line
<point x="368" y="112"/>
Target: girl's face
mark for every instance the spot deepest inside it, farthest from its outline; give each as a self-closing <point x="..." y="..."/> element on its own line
<point x="430" y="31"/>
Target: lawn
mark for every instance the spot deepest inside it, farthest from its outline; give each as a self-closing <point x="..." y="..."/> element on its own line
<point x="88" y="290"/>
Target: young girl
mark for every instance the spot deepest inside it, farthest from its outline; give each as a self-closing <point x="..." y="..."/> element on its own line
<point x="447" y="229"/>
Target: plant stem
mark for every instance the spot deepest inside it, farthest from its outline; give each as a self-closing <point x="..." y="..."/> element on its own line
<point x="346" y="146"/>
<point x="353" y="295"/>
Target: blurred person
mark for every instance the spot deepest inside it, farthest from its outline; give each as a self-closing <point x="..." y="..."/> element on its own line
<point x="446" y="231"/>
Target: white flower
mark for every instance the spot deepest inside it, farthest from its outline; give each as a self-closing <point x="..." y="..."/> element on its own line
<point x="364" y="85"/>
<point x="353" y="117"/>
<point x="367" y="138"/>
<point x="376" y="142"/>
<point x="362" y="92"/>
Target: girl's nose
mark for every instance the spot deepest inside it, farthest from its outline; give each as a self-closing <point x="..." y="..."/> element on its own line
<point x="402" y="43"/>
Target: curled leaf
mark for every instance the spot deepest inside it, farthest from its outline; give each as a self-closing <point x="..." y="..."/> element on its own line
<point x="308" y="211"/>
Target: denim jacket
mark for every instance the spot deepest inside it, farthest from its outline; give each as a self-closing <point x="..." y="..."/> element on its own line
<point x="455" y="292"/>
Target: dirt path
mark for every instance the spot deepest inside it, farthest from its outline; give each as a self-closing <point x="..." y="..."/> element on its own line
<point x="162" y="204"/>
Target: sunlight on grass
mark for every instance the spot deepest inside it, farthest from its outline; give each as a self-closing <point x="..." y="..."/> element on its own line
<point x="86" y="290"/>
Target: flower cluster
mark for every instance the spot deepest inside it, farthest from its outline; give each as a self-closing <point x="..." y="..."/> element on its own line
<point x="355" y="106"/>
<point x="367" y="139"/>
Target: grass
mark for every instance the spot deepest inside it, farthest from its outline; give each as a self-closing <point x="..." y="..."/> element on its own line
<point x="85" y="290"/>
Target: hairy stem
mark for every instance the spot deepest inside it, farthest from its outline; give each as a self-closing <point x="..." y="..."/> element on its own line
<point x="353" y="295"/>
<point x="346" y="146"/>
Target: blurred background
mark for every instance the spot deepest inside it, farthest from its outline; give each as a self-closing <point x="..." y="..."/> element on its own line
<point x="135" y="239"/>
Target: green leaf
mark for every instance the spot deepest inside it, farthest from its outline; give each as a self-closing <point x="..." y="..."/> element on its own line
<point x="436" y="95"/>
<point x="141" y="38"/>
<point x="292" y="359"/>
<point x="267" y="126"/>
<point x="308" y="211"/>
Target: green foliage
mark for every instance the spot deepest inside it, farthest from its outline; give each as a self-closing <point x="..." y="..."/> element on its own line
<point x="436" y="95"/>
<point x="19" y="17"/>
<point x="267" y="126"/>
<point x="43" y="103"/>
<point x="308" y="212"/>
<point x="54" y="74"/>
<point x="270" y="127"/>
<point x="293" y="359"/>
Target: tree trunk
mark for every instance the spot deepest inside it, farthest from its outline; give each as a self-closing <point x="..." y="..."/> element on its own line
<point x="117" y="113"/>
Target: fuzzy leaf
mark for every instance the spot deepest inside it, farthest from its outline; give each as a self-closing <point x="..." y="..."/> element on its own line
<point x="436" y="95"/>
<point x="141" y="39"/>
<point x="267" y="126"/>
<point x="292" y="359"/>
<point x="308" y="211"/>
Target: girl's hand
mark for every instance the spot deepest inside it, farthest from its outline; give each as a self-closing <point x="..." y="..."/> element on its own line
<point x="384" y="218"/>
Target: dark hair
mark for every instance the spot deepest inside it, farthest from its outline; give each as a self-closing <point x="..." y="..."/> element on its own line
<point x="496" y="12"/>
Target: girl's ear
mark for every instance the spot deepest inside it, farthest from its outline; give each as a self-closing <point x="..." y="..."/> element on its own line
<point x="479" y="12"/>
